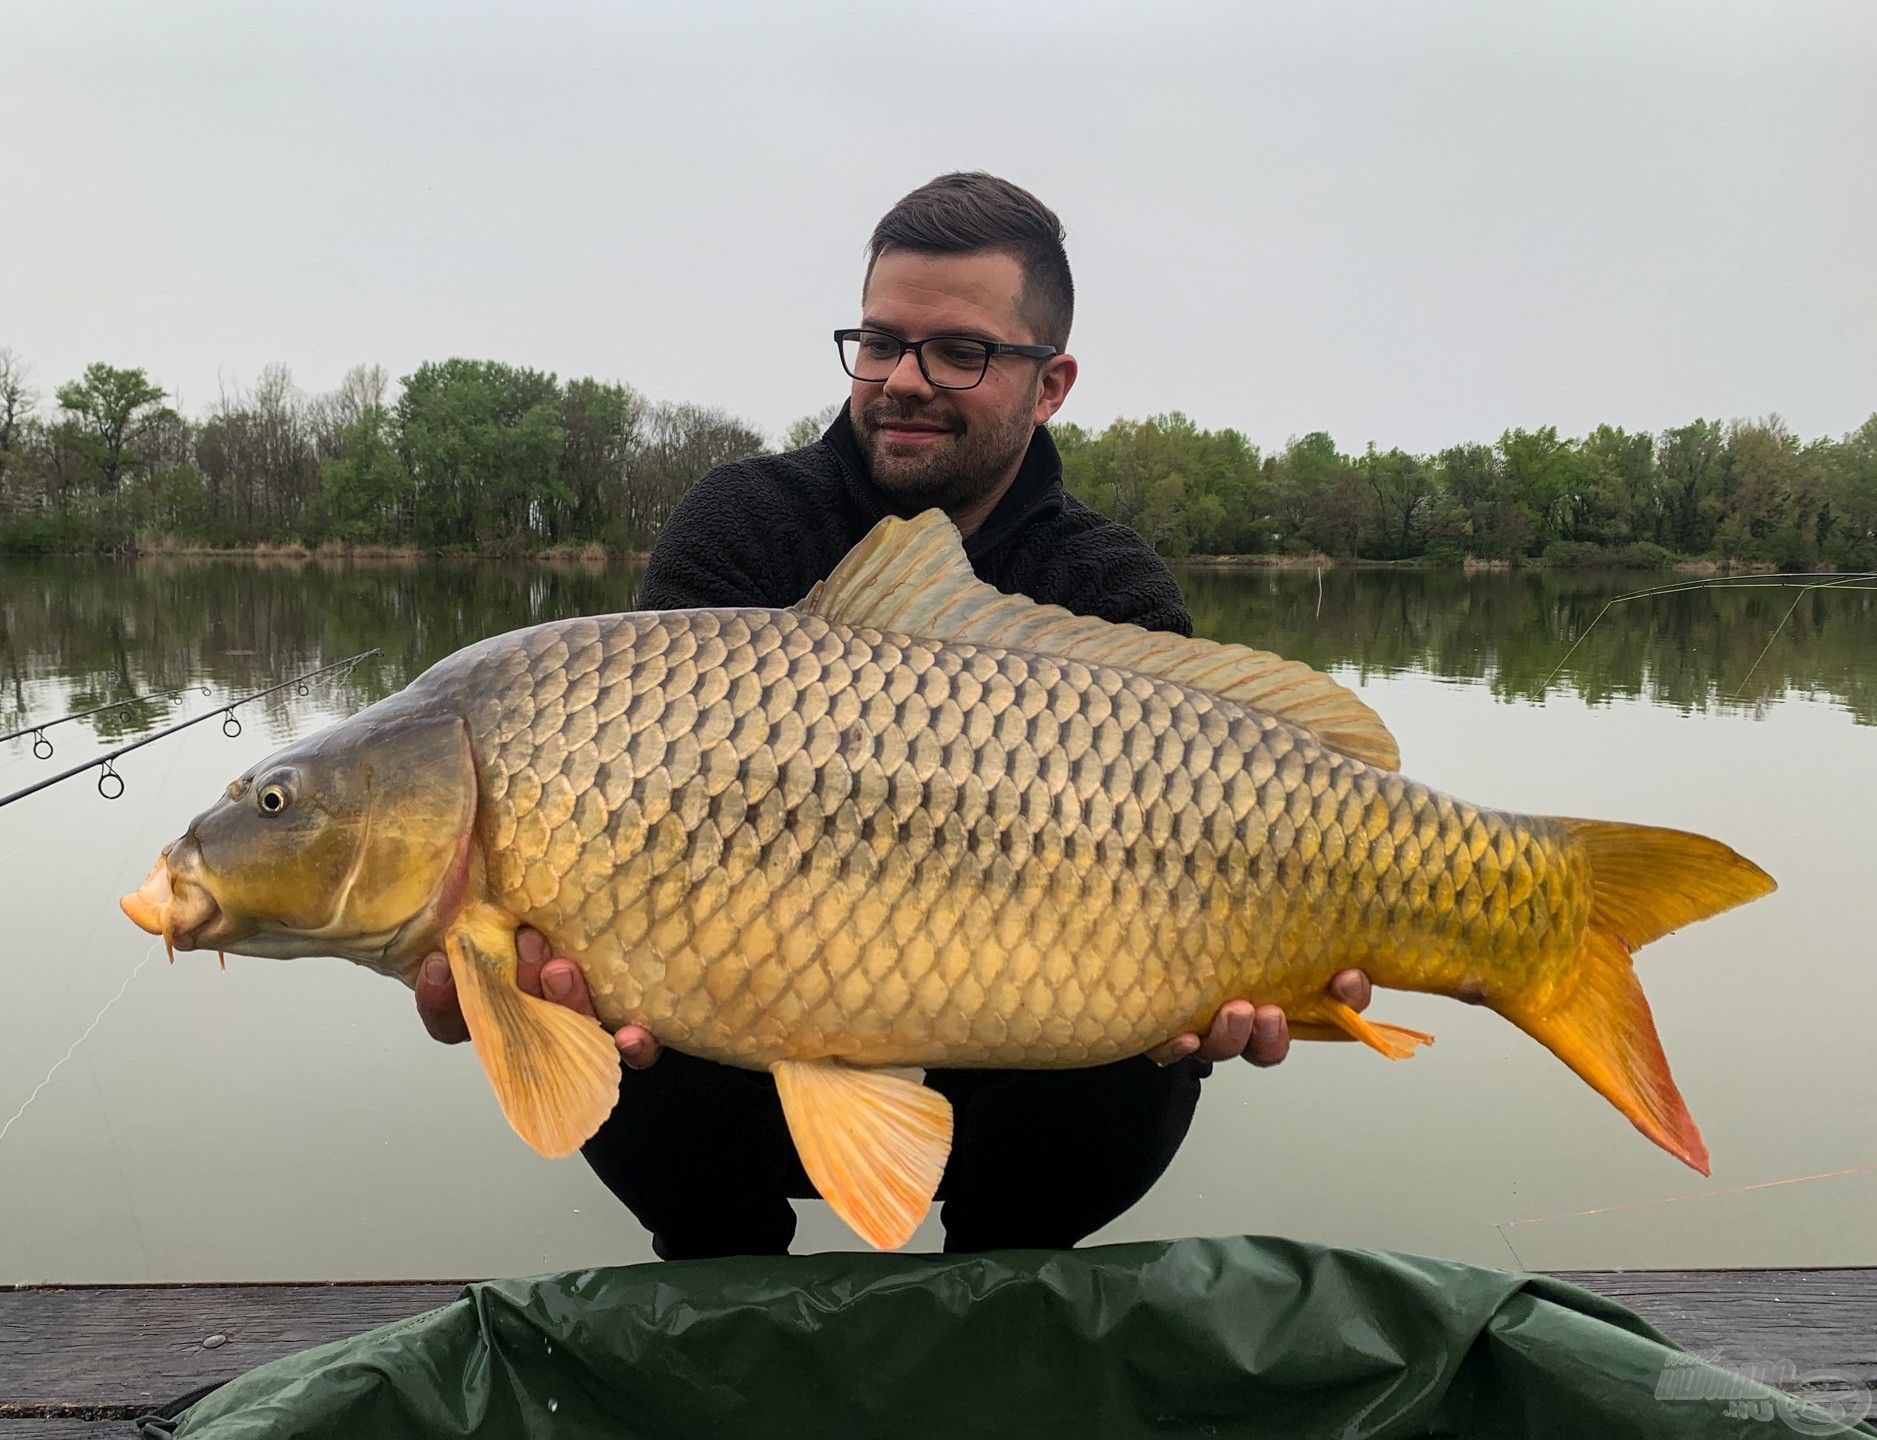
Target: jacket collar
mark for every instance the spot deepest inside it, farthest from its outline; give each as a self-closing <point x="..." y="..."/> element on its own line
<point x="1035" y="495"/>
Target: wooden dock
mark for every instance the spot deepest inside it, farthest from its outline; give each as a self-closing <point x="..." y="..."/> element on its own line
<point x="76" y="1362"/>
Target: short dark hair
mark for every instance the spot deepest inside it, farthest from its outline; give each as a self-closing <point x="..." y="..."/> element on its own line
<point x="969" y="210"/>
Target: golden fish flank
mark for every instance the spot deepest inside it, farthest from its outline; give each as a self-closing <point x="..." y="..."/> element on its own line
<point x="901" y="852"/>
<point x="918" y="822"/>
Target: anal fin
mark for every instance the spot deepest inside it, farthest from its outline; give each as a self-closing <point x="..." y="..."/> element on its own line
<point x="1397" y="1042"/>
<point x="554" y="1072"/>
<point x="875" y="1145"/>
<point x="1316" y="1030"/>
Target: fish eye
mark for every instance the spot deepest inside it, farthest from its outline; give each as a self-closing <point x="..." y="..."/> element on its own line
<point x="273" y="796"/>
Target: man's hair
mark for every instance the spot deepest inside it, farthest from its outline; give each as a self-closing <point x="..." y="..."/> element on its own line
<point x="968" y="211"/>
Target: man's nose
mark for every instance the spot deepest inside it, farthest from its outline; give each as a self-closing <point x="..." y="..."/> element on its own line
<point x="907" y="378"/>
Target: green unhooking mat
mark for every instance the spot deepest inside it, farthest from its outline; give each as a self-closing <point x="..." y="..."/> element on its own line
<point x="1237" y="1337"/>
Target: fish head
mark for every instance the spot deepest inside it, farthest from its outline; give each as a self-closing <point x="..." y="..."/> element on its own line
<point x="354" y="842"/>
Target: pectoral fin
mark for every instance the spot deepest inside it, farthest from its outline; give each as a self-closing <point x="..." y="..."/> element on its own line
<point x="875" y="1145"/>
<point x="555" y="1072"/>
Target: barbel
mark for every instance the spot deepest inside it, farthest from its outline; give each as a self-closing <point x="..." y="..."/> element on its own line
<point x="231" y="726"/>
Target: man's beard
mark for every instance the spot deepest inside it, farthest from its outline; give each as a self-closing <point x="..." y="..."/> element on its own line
<point x="950" y="473"/>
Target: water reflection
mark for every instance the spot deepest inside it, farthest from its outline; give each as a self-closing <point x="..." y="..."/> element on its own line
<point x="77" y="634"/>
<point x="1692" y="650"/>
<point x="74" y="635"/>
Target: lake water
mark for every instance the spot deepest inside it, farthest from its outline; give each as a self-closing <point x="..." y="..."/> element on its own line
<point x="283" y="1121"/>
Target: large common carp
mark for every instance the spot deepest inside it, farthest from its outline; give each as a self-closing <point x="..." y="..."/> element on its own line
<point x="917" y="822"/>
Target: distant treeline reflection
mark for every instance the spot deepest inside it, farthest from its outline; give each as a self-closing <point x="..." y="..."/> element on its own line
<point x="76" y="634"/>
<point x="1691" y="650"/>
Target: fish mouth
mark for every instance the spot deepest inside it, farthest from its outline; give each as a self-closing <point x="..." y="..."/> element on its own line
<point x="179" y="909"/>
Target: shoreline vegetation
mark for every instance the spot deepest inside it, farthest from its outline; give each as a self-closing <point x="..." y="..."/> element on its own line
<point x="592" y="554"/>
<point x="480" y="459"/>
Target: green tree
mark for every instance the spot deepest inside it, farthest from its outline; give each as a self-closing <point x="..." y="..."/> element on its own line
<point x="602" y="433"/>
<point x="1495" y="528"/>
<point x="1851" y="490"/>
<point x="365" y="489"/>
<point x="1542" y="476"/>
<point x="107" y="411"/>
<point x="1616" y="499"/>
<point x="1691" y="463"/>
<point x="1770" y="512"/>
<point x="1317" y="499"/>
<point x="482" y="442"/>
<point x="1402" y="484"/>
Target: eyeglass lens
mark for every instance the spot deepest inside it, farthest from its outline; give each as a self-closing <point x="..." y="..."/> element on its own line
<point x="949" y="361"/>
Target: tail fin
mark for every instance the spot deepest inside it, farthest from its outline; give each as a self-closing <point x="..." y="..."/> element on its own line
<point x="1645" y="882"/>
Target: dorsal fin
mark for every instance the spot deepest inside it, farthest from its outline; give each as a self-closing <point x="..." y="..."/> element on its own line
<point x="912" y="577"/>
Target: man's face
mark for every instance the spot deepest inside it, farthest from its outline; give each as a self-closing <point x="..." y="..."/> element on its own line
<point x="926" y="446"/>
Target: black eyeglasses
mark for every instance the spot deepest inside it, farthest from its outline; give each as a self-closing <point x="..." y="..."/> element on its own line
<point x="953" y="362"/>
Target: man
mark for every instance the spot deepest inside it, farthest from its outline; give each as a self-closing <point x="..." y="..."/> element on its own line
<point x="959" y="360"/>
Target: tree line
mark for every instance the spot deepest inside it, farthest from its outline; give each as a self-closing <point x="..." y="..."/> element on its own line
<point x="476" y="454"/>
<point x="1740" y="490"/>
<point x="470" y="454"/>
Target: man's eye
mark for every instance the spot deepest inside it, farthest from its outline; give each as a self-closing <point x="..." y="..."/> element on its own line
<point x="963" y="353"/>
<point x="875" y="349"/>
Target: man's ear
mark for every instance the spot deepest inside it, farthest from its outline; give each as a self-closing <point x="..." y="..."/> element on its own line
<point x="1053" y="384"/>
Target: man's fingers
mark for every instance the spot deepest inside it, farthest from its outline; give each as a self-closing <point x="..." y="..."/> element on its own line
<point x="562" y="982"/>
<point x="636" y="1045"/>
<point x="1352" y="988"/>
<point x="539" y="972"/>
<point x="1176" y="1049"/>
<point x="1229" y="1032"/>
<point x="530" y="955"/>
<point x="437" y="1005"/>
<point x="1270" y="1036"/>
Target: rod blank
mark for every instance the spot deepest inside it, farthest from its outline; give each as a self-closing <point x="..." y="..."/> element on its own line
<point x="231" y="726"/>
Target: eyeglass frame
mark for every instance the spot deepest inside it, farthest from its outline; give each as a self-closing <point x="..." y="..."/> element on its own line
<point x="992" y="349"/>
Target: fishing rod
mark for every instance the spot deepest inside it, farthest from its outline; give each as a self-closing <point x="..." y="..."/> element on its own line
<point x="42" y="747"/>
<point x="111" y="784"/>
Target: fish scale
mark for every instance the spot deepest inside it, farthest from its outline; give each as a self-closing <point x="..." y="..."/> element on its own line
<point x="833" y="861"/>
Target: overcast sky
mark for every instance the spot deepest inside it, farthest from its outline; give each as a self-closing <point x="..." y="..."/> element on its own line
<point x="1400" y="221"/>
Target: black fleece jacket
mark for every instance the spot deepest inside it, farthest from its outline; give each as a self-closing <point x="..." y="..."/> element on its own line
<point x="763" y="531"/>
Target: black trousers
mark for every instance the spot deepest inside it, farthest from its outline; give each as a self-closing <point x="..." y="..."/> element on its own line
<point x="701" y="1154"/>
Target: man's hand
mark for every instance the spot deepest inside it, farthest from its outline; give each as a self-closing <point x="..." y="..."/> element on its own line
<point x="538" y="973"/>
<point x="1259" y="1033"/>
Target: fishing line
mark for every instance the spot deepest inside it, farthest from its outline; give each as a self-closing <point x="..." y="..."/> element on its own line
<point x="1796" y="599"/>
<point x="125" y="1189"/>
<point x="72" y="1049"/>
<point x="1765" y="580"/>
<point x="1505" y="1225"/>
